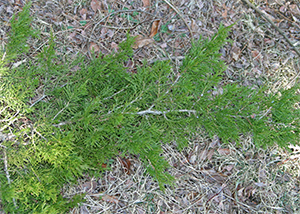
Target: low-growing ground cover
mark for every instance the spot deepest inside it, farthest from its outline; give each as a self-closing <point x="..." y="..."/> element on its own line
<point x="210" y="173"/>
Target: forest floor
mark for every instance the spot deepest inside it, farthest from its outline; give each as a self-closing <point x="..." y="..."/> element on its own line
<point x="211" y="177"/>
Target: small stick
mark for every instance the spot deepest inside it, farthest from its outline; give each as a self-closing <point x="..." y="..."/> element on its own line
<point x="272" y="23"/>
<point x="7" y="173"/>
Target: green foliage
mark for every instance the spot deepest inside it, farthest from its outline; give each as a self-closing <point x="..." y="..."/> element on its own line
<point x="94" y="109"/>
<point x="20" y="31"/>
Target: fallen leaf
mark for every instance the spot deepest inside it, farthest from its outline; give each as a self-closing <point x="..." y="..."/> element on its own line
<point x="213" y="176"/>
<point x="203" y="154"/>
<point x="146" y="3"/>
<point x="223" y="151"/>
<point x="224" y="15"/>
<point x="110" y="33"/>
<point x="130" y="65"/>
<point x="235" y="52"/>
<point x="19" y="2"/>
<point x="256" y="55"/>
<point x="74" y="37"/>
<point x="9" y="9"/>
<point x="249" y="191"/>
<point x="154" y="28"/>
<point x="192" y="159"/>
<point x="75" y="68"/>
<point x="126" y="164"/>
<point x="215" y="142"/>
<point x="89" y="186"/>
<point x="83" y="12"/>
<point x="110" y="199"/>
<point x="210" y="154"/>
<point x="94" y="47"/>
<point x="95" y="5"/>
<point x="295" y="19"/>
<point x="114" y="46"/>
<point x="240" y="193"/>
<point x="194" y="25"/>
<point x="229" y="167"/>
<point x="164" y="45"/>
<point x="171" y="27"/>
<point x="140" y="42"/>
<point x="294" y="9"/>
<point x="282" y="9"/>
<point x="262" y="174"/>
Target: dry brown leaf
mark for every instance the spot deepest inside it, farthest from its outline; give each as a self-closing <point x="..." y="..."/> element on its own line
<point x="215" y="142"/>
<point x="164" y="45"/>
<point x="192" y="159"/>
<point x="72" y="35"/>
<point x="203" y="154"/>
<point x="110" y="199"/>
<point x="89" y="186"/>
<point x="94" y="47"/>
<point x="114" y="46"/>
<point x="126" y="164"/>
<point x="95" y="5"/>
<point x="224" y="151"/>
<point x="129" y="64"/>
<point x="235" y="52"/>
<point x="294" y="9"/>
<point x="256" y="55"/>
<point x="194" y="25"/>
<point x="110" y="33"/>
<point x="154" y="28"/>
<point x="229" y="167"/>
<point x="19" y="2"/>
<point x="210" y="154"/>
<point x="282" y="9"/>
<point x="213" y="176"/>
<point x="140" y="42"/>
<point x="224" y="15"/>
<point x="83" y="13"/>
<point x="146" y="3"/>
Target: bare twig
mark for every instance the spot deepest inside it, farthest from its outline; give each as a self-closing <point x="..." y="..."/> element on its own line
<point x="7" y="173"/>
<point x="167" y="58"/>
<point x="272" y="23"/>
<point x="42" y="97"/>
<point x="61" y="110"/>
<point x="269" y="109"/>
<point x="62" y="124"/>
<point x="149" y="111"/>
<point x="115" y="93"/>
